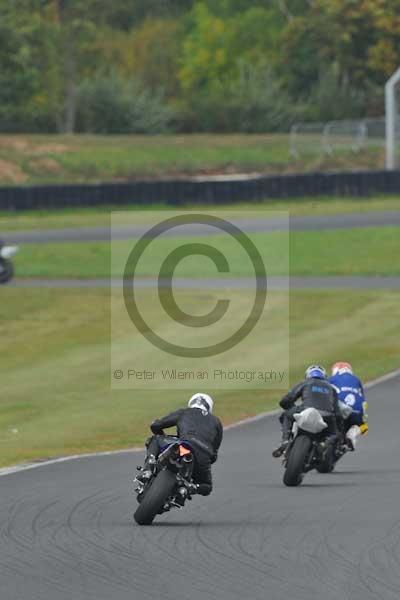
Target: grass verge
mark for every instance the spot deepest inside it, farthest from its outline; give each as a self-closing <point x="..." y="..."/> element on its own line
<point x="364" y="251"/>
<point x="36" y="159"/>
<point x="55" y="358"/>
<point x="99" y="216"/>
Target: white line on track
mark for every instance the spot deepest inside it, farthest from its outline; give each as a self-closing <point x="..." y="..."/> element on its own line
<point x="259" y="417"/>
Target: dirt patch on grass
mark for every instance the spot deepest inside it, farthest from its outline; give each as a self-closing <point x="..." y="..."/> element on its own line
<point x="49" y="149"/>
<point x="14" y="143"/>
<point x="45" y="164"/>
<point x="9" y="171"/>
<point x="28" y="147"/>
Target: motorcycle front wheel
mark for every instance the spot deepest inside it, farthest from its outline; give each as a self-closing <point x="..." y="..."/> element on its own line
<point x="298" y="454"/>
<point x="154" y="498"/>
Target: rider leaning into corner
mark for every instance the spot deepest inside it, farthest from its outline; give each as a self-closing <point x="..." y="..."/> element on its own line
<point x="314" y="392"/>
<point x="200" y="428"/>
<point x="350" y="391"/>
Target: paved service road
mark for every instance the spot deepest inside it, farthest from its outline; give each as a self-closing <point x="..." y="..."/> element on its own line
<point x="301" y="223"/>
<point x="273" y="283"/>
<point x="67" y="533"/>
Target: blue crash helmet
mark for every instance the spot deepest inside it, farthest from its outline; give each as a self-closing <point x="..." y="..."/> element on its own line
<point x="315" y="371"/>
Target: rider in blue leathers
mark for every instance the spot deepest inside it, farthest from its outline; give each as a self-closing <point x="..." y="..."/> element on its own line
<point x="350" y="391"/>
<point x="316" y="392"/>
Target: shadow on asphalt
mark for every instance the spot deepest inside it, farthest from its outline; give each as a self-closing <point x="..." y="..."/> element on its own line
<point x="206" y="524"/>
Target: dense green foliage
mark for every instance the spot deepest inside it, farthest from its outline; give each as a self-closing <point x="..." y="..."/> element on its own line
<point x="191" y="65"/>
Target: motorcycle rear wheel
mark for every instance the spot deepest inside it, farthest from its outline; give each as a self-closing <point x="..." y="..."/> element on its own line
<point x="294" y="471"/>
<point x="327" y="465"/>
<point x="154" y="498"/>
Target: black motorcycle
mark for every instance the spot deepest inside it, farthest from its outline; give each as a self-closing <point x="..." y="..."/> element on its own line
<point x="170" y="484"/>
<point x="310" y="448"/>
<point x="6" y="266"/>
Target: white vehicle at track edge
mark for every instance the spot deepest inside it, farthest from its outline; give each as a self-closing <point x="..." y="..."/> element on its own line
<point x="6" y="266"/>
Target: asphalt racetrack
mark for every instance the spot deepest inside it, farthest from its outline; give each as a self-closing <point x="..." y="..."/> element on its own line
<point x="67" y="531"/>
<point x="272" y="283"/>
<point x="249" y="225"/>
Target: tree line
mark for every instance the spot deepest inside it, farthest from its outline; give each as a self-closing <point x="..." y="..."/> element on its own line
<point x="149" y="66"/>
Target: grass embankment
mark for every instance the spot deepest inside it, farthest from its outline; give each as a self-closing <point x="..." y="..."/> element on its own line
<point x="55" y="350"/>
<point x="35" y="159"/>
<point x="99" y="216"/>
<point x="55" y="355"/>
<point x="366" y="251"/>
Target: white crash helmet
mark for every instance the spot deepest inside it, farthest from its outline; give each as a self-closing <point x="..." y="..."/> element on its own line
<point x="340" y="368"/>
<point x="202" y="401"/>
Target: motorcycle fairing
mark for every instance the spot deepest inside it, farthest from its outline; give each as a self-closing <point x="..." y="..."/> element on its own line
<point x="310" y="420"/>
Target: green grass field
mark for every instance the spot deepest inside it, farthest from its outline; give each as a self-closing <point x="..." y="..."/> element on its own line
<point x="55" y="355"/>
<point x="100" y="216"/>
<point x="32" y="159"/>
<point x="366" y="251"/>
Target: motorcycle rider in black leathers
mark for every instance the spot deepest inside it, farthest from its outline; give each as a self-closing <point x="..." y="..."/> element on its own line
<point x="200" y="428"/>
<point x="316" y="392"/>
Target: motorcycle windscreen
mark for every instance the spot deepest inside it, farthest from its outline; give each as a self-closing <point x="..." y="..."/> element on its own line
<point x="310" y="420"/>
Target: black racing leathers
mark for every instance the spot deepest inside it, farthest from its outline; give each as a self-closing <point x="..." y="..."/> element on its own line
<point x="203" y="430"/>
<point x="313" y="393"/>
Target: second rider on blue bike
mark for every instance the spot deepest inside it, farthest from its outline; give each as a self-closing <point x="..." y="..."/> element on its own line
<point x="350" y="391"/>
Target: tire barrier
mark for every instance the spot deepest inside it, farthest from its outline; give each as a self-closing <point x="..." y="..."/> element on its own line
<point x="200" y="191"/>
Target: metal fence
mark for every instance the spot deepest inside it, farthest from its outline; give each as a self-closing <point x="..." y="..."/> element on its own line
<point x="336" y="136"/>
